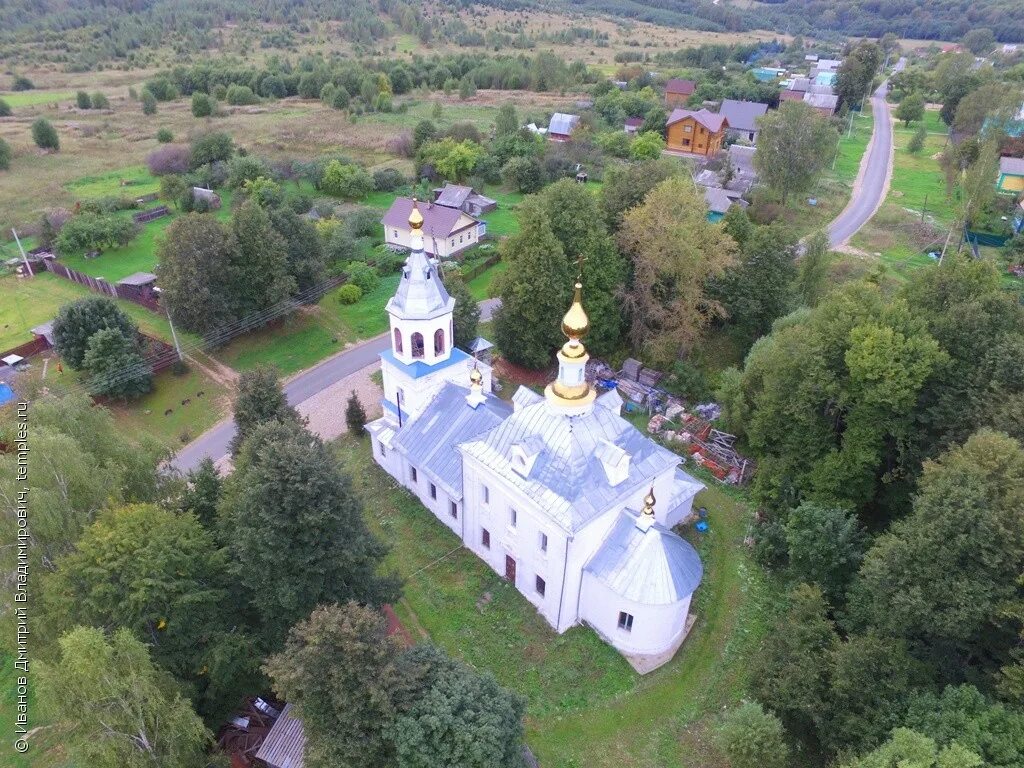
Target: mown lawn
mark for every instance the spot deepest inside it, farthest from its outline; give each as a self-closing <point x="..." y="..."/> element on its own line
<point x="480" y="285"/>
<point x="586" y="705"/>
<point x="313" y="333"/>
<point x="918" y="182"/>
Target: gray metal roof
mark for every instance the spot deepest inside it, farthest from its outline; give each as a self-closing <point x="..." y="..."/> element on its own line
<point x="138" y="278"/>
<point x="562" y="123"/>
<point x="821" y="100"/>
<point x="717" y="200"/>
<point x="429" y="441"/>
<point x="1011" y="166"/>
<point x="646" y="564"/>
<point x="800" y="84"/>
<point x="420" y="294"/>
<point x="285" y="742"/>
<point x="742" y="115"/>
<point x="480" y="344"/>
<point x="567" y="480"/>
<point x="453" y="195"/>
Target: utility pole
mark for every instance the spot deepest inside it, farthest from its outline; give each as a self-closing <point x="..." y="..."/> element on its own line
<point x="174" y="335"/>
<point x="28" y="267"/>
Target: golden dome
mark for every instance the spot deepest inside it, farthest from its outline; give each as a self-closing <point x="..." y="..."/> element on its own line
<point x="475" y="377"/>
<point x="575" y="324"/>
<point x="415" y="217"/>
<point x="649" y="502"/>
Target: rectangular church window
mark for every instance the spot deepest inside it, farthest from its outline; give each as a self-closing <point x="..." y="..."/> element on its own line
<point x="625" y="621"/>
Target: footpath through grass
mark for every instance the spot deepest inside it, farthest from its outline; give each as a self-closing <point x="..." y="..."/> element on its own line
<point x="587" y="707"/>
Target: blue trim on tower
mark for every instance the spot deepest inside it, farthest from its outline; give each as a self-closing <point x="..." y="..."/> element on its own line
<point x="419" y="368"/>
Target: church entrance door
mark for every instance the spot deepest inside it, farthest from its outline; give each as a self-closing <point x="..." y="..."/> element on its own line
<point x="510" y="568"/>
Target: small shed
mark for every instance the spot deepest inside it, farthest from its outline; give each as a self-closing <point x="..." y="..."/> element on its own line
<point x="481" y="349"/>
<point x="44" y="331"/>
<point x="561" y="126"/>
<point x="211" y="198"/>
<point x="633" y="124"/>
<point x="285" y="743"/>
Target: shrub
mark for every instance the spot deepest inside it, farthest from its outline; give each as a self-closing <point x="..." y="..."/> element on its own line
<point x="687" y="381"/>
<point x="340" y="246"/>
<point x="916" y="143"/>
<point x="248" y="168"/>
<point x="164" y="136"/>
<point x="347" y="181"/>
<point x="148" y="102"/>
<point x="363" y="222"/>
<point x="22" y="83"/>
<point x="340" y="99"/>
<point x="753" y="738"/>
<point x="387" y="179"/>
<point x="389" y="261"/>
<point x="5" y="155"/>
<point x="45" y="135"/>
<point x="239" y="95"/>
<point x="100" y="101"/>
<point x="349" y="294"/>
<point x="5" y="109"/>
<point x="161" y="88"/>
<point x="202" y="104"/>
<point x="355" y="415"/>
<point x="170" y="158"/>
<point x="82" y="100"/>
<point x="362" y="275"/>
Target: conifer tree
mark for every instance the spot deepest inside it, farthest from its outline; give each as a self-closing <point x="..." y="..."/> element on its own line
<point x="259" y="267"/>
<point x="260" y="400"/>
<point x="295" y="530"/>
<point x="203" y="493"/>
<point x="355" y="415"/>
<point x="535" y="292"/>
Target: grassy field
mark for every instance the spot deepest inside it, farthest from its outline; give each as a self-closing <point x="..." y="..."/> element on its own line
<point x="132" y="181"/>
<point x="17" y="99"/>
<point x="916" y="214"/>
<point x="586" y="705"/>
<point x="852" y="145"/>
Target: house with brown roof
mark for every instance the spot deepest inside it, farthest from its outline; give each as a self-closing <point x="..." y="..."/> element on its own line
<point x="446" y="231"/>
<point x="696" y="132"/>
<point x="677" y="92"/>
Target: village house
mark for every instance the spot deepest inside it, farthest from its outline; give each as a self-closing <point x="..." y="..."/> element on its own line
<point x="718" y="203"/>
<point x="824" y="103"/>
<point x="1011" y="175"/>
<point x="556" y="492"/>
<point x="742" y="118"/>
<point x="465" y="199"/>
<point x="678" y="92"/>
<point x="561" y="126"/>
<point x="445" y="231"/>
<point x="696" y="132"/>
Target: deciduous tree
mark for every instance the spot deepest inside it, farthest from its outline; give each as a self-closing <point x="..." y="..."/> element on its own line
<point x="258" y="267"/>
<point x="911" y="108"/>
<point x="907" y="748"/>
<point x="856" y="73"/>
<point x="625" y="186"/>
<point x="338" y="669"/>
<point x="794" y="145"/>
<point x="116" y="708"/>
<point x="674" y="251"/>
<point x="826" y="546"/>
<point x="195" y="282"/>
<point x="466" y="316"/>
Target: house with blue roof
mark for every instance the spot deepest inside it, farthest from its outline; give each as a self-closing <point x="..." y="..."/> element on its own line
<point x="556" y="492"/>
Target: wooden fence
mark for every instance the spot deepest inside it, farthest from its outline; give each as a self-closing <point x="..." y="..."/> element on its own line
<point x="480" y="268"/>
<point x="135" y="294"/>
<point x="29" y="348"/>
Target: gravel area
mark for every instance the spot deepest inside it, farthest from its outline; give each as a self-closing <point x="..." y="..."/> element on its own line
<point x="326" y="409"/>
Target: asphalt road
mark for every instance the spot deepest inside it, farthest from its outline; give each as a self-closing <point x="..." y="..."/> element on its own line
<point x="872" y="179"/>
<point x="214" y="442"/>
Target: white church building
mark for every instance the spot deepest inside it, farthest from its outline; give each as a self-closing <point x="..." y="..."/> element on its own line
<point x="556" y="492"/>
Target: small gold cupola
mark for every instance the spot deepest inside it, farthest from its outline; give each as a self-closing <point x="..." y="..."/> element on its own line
<point x="415" y="218"/>
<point x="646" y="517"/>
<point x="570" y="392"/>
